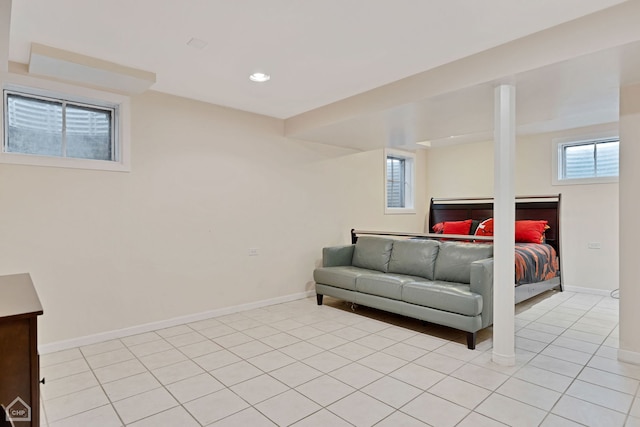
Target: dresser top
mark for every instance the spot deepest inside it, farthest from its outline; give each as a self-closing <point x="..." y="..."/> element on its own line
<point x="18" y="296"/>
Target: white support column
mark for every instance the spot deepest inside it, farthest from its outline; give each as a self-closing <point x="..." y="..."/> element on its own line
<point x="5" y="25"/>
<point x="504" y="225"/>
<point x="629" y="203"/>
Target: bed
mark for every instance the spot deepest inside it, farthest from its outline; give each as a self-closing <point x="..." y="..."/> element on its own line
<point x="537" y="265"/>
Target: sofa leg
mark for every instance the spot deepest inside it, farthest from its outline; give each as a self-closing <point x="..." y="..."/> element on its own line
<point x="471" y="340"/>
<point x="319" y="298"/>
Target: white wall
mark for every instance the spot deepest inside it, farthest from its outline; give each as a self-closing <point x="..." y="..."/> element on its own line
<point x="629" y="231"/>
<point x="589" y="213"/>
<point x="110" y="250"/>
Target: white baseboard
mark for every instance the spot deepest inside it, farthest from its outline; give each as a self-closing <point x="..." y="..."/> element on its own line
<point x="629" y="356"/>
<point x="592" y="291"/>
<point x="148" y="327"/>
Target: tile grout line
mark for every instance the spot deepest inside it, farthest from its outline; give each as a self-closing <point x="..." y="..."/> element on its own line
<point x="374" y="351"/>
<point x="582" y="369"/>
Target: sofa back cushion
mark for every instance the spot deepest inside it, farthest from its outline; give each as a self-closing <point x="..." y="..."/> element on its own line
<point x="372" y="253"/>
<point x="454" y="260"/>
<point x="414" y="257"/>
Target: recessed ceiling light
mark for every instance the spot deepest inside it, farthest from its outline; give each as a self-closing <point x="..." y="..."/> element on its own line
<point x="197" y="43"/>
<point x="259" y="77"/>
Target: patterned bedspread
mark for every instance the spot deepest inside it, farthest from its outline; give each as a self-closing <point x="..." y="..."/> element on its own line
<point x="535" y="263"/>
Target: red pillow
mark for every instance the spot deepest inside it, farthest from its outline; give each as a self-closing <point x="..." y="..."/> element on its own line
<point x="438" y="228"/>
<point x="485" y="228"/>
<point x="528" y="231"/>
<point x="457" y="227"/>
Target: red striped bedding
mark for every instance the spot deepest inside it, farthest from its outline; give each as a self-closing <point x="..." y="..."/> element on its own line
<point x="535" y="262"/>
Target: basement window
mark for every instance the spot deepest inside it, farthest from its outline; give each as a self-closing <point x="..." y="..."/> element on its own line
<point x="399" y="182"/>
<point x="587" y="162"/>
<point x="60" y="129"/>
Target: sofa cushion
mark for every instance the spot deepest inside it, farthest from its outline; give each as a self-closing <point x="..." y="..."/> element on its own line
<point x="454" y="260"/>
<point x="451" y="297"/>
<point x="383" y="284"/>
<point x="341" y="277"/>
<point x="372" y="253"/>
<point x="414" y="257"/>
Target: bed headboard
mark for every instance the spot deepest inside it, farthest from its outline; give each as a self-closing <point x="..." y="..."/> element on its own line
<point x="527" y="207"/>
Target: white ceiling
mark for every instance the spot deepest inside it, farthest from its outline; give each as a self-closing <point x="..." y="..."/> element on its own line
<point x="580" y="92"/>
<point x="317" y="52"/>
<point x="363" y="74"/>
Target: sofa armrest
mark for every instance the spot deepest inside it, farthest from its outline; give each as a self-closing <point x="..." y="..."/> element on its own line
<point x="334" y="256"/>
<point x="482" y="283"/>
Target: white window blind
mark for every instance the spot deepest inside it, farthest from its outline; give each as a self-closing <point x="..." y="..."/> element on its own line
<point x="591" y="159"/>
<point x="399" y="182"/>
<point x="60" y="128"/>
<point x="395" y="182"/>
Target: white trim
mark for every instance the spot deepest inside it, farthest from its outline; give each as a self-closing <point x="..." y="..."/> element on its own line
<point x="629" y="356"/>
<point x="410" y="169"/>
<point x="162" y="324"/>
<point x="592" y="291"/>
<point x="62" y="162"/>
<point x="36" y="86"/>
<point x="583" y="181"/>
<point x="398" y="211"/>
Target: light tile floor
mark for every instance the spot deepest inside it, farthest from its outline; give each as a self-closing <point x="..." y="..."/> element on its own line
<point x="304" y="365"/>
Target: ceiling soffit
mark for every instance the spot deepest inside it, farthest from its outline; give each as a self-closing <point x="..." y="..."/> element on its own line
<point x="578" y="65"/>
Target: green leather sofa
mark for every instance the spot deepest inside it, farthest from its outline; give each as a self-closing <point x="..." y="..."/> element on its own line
<point x="446" y="283"/>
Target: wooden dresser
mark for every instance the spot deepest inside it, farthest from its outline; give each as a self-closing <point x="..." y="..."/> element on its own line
<point x="19" y="364"/>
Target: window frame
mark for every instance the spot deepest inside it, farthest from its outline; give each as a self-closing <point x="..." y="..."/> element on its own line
<point x="57" y="91"/>
<point x="409" y="181"/>
<point x="558" y="159"/>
